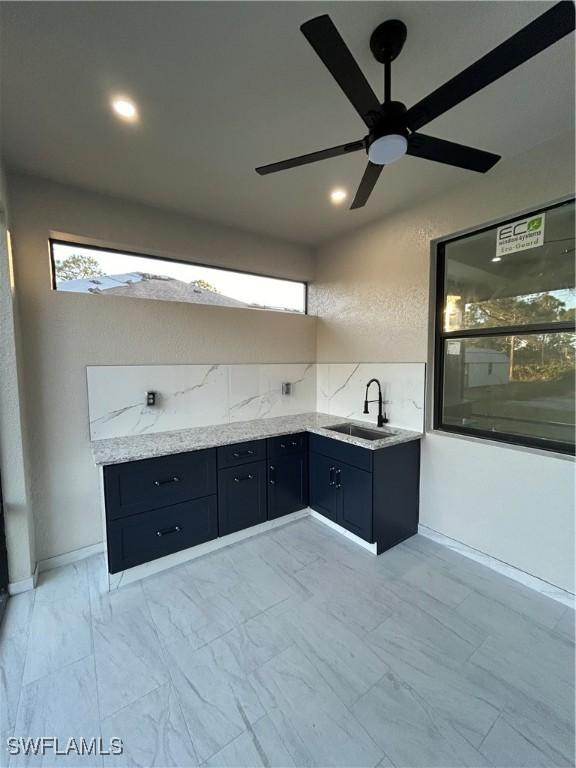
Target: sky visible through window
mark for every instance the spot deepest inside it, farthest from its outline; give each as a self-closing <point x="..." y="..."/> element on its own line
<point x="251" y="289"/>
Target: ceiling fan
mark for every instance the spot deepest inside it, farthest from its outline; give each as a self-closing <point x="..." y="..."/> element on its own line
<point x="393" y="130"/>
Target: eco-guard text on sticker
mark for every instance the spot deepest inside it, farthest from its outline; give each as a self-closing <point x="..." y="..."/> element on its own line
<point x="520" y="235"/>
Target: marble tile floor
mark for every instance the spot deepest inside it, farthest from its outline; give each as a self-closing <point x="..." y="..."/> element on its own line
<point x="294" y="648"/>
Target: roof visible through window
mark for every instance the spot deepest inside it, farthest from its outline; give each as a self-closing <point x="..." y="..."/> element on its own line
<point x="93" y="270"/>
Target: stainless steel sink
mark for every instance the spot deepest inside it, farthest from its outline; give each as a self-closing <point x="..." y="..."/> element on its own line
<point x="363" y="432"/>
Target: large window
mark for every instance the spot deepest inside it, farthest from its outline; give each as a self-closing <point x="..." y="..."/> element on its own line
<point x="105" y="272"/>
<point x="505" y="340"/>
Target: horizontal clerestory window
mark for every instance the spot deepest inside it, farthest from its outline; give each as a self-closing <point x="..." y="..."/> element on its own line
<point x="99" y="271"/>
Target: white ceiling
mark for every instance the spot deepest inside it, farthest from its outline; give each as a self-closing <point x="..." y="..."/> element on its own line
<point x="225" y="86"/>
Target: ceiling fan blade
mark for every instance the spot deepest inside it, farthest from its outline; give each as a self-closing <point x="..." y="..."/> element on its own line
<point x="541" y="33"/>
<point x="371" y="176"/>
<point x="312" y="157"/>
<point x="331" y="48"/>
<point x="441" y="151"/>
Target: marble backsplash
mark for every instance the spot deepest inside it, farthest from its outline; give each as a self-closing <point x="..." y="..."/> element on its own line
<point x="341" y="388"/>
<point x="193" y="395"/>
<point x="199" y="395"/>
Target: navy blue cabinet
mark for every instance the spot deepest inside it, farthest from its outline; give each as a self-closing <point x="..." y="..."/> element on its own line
<point x="396" y="490"/>
<point x="140" y="538"/>
<point x="241" y="453"/>
<point x="374" y="494"/>
<point x="354" y="490"/>
<point x="287" y="485"/>
<point x="287" y="445"/>
<point x="342" y="493"/>
<point x="155" y="507"/>
<point x="287" y="474"/>
<point x="137" y="486"/>
<point x="346" y="453"/>
<point x="159" y="506"/>
<point x="241" y="497"/>
<point x="323" y="494"/>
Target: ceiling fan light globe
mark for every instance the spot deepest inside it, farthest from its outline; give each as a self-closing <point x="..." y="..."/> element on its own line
<point x="387" y="149"/>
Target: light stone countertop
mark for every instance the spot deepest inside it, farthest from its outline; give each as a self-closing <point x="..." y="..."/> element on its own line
<point x="116" y="450"/>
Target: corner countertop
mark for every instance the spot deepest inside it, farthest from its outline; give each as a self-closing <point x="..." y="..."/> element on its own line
<point x="116" y="450"/>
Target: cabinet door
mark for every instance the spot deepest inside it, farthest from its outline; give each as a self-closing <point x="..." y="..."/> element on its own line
<point x="323" y="494"/>
<point x="354" y="489"/>
<point x="287" y="485"/>
<point x="241" y="497"/>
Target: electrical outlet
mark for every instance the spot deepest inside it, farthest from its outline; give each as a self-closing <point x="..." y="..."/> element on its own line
<point x="150" y="398"/>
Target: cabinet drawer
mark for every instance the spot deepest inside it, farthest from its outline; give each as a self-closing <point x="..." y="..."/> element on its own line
<point x="241" y="497"/>
<point x="138" y="486"/>
<point x="339" y="451"/>
<point x="140" y="538"/>
<point x="286" y="445"/>
<point x="241" y="453"/>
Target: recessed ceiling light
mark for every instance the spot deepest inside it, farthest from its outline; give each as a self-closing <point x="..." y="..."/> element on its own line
<point x="338" y="196"/>
<point x="497" y="258"/>
<point x="125" y="109"/>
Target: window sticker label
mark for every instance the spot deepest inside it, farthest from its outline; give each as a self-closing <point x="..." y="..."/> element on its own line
<point x="520" y="235"/>
<point x="453" y="347"/>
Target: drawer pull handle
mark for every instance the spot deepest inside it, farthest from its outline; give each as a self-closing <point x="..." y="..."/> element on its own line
<point x="239" y="454"/>
<point x="272" y="469"/>
<point x="241" y="479"/>
<point x="332" y="481"/>
<point x="166" y="531"/>
<point x="282" y="445"/>
<point x="338" y="480"/>
<point x="159" y="483"/>
<point x="294" y="443"/>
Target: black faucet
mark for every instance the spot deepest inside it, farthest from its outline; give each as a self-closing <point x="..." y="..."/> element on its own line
<point x="381" y="417"/>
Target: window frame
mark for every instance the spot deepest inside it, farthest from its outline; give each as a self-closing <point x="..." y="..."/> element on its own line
<point x="440" y="336"/>
<point x="52" y="241"/>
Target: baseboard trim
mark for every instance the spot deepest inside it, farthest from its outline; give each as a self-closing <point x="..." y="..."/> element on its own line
<point x="511" y="571"/>
<point x="343" y="532"/>
<point x="24" y="585"/>
<point x="156" y="566"/>
<point x="70" y="557"/>
<point x="120" y="579"/>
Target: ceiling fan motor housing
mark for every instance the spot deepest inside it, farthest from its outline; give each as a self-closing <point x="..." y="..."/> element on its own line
<point x="390" y="121"/>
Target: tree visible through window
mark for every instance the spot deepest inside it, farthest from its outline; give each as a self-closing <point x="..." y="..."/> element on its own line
<point x="77" y="266"/>
<point x="547" y="355"/>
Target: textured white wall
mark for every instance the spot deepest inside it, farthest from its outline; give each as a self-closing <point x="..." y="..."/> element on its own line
<point x="372" y="298"/>
<point x="13" y="464"/>
<point x="513" y="504"/>
<point x="371" y="287"/>
<point x="62" y="333"/>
